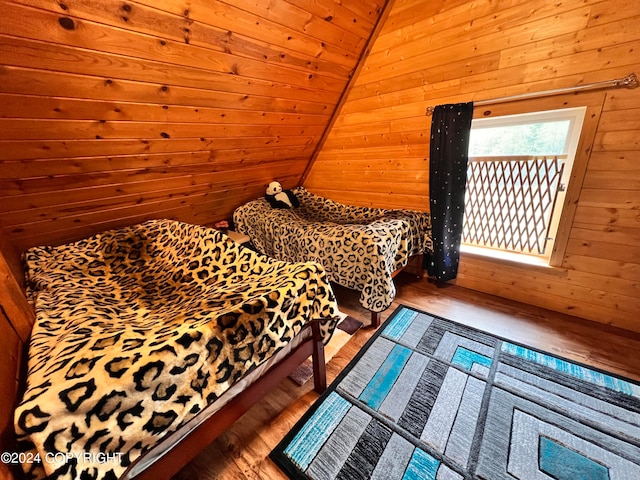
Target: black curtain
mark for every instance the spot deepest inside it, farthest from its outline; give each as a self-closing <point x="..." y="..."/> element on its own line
<point x="450" y="128"/>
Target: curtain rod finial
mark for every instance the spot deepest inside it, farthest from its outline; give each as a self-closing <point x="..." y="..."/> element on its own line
<point x="630" y="81"/>
<point x="429" y="111"/>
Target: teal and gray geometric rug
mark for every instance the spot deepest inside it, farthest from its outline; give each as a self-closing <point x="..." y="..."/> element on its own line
<point x="428" y="398"/>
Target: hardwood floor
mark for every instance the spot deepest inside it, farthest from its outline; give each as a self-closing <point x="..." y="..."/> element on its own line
<point x="242" y="452"/>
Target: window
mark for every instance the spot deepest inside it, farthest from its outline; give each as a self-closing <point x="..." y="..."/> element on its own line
<point x="519" y="167"/>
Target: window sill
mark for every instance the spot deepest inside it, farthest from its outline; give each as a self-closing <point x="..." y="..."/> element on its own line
<point x="504" y="257"/>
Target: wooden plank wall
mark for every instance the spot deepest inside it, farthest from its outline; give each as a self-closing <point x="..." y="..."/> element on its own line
<point x="434" y="52"/>
<point x="113" y="112"/>
<point x="12" y="351"/>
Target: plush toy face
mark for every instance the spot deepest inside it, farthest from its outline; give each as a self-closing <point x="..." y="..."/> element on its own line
<point x="279" y="198"/>
<point x="274" y="188"/>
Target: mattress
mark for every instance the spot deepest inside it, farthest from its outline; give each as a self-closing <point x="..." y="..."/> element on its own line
<point x="359" y="247"/>
<point x="138" y="329"/>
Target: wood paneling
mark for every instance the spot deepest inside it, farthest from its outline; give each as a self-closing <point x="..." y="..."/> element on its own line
<point x="114" y="112"/>
<point x="13" y="303"/>
<point x="430" y="53"/>
<point x="16" y="320"/>
<point x="11" y="348"/>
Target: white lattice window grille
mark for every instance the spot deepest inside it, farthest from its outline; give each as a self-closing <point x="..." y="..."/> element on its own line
<point x="519" y="167"/>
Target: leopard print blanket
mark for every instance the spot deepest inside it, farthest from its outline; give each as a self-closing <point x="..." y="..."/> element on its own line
<point x="359" y="247"/>
<point x="139" y="328"/>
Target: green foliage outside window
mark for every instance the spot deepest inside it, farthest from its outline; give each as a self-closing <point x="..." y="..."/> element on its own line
<point x="544" y="138"/>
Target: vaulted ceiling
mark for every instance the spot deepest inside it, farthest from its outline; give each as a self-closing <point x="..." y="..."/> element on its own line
<point x="115" y="111"/>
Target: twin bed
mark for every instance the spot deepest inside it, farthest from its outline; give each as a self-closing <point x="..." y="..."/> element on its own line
<point x="361" y="248"/>
<point x="141" y="331"/>
<point x="150" y="340"/>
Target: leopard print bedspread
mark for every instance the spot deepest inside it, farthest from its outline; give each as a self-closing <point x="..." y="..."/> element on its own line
<point x="359" y="247"/>
<point x="139" y="328"/>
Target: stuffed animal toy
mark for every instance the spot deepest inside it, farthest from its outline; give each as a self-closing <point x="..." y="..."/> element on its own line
<point x="279" y="198"/>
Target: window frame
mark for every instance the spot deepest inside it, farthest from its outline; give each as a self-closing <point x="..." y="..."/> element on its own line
<point x="594" y="103"/>
<point x="575" y="116"/>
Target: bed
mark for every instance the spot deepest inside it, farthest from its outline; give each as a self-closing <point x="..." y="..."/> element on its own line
<point x="360" y="248"/>
<point x="151" y="339"/>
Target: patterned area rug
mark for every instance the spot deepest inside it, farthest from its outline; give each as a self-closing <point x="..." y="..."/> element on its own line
<point x="429" y="398"/>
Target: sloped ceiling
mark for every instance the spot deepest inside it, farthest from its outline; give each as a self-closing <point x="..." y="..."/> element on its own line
<point x="432" y="52"/>
<point x="112" y="112"/>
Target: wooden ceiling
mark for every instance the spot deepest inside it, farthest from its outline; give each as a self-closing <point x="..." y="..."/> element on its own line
<point x="112" y="112"/>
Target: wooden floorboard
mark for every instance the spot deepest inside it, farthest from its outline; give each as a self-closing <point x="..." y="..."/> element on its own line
<point x="242" y="452"/>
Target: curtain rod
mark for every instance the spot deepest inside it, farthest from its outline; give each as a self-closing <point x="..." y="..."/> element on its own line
<point x="630" y="81"/>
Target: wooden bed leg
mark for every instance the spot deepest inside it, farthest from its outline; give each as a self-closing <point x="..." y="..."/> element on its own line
<point x="420" y="260"/>
<point x="375" y="319"/>
<point x="319" y="366"/>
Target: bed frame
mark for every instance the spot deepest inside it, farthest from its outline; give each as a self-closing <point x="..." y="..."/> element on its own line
<point x="16" y="320"/>
<point x="167" y="457"/>
<point x="414" y="265"/>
